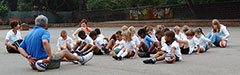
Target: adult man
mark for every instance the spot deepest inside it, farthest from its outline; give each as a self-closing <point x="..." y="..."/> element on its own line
<point x="35" y="46"/>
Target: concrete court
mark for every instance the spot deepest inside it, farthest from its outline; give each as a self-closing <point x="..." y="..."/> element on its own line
<point x="217" y="61"/>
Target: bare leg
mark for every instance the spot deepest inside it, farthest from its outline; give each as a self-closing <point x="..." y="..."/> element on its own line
<point x="143" y="46"/>
<point x="86" y="47"/>
<point x="93" y="48"/>
<point x="153" y="47"/>
<point x="66" y="54"/>
<point x="82" y="45"/>
<point x="110" y="44"/>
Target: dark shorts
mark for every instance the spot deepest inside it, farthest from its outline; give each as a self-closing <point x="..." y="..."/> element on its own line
<point x="16" y="44"/>
<point x="184" y="51"/>
<point x="98" y="53"/>
<point x="177" y="58"/>
<point x="133" y="53"/>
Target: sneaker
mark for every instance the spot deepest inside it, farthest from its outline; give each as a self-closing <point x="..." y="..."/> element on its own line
<point x="75" y="62"/>
<point x="120" y="58"/>
<point x="79" y="52"/>
<point x="148" y="61"/>
<point x="86" y="58"/>
<point x="115" y="57"/>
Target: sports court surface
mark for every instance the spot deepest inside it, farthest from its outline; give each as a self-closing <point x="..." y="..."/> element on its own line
<point x="217" y="61"/>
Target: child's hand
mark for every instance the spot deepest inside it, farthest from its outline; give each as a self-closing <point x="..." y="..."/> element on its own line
<point x="132" y="57"/>
<point x="172" y="56"/>
<point x="197" y="53"/>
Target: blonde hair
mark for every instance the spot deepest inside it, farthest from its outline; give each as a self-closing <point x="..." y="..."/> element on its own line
<point x="127" y="35"/>
<point x="177" y="28"/>
<point x="159" y="27"/>
<point x="132" y="29"/>
<point x="190" y="32"/>
<point x="124" y="28"/>
<point x="216" y="22"/>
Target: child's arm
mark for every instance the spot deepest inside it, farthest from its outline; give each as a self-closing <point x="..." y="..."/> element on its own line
<point x="115" y="46"/>
<point x="75" y="33"/>
<point x="198" y="49"/>
<point x="173" y="52"/>
<point x="210" y="44"/>
<point x="135" y="54"/>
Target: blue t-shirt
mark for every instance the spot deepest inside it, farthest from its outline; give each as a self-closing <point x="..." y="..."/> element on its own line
<point x="32" y="42"/>
<point x="148" y="41"/>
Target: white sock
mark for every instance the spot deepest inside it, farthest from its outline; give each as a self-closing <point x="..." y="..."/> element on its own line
<point x="124" y="54"/>
<point x="120" y="53"/>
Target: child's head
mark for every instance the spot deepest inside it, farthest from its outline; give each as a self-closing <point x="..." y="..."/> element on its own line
<point x="118" y="35"/>
<point x="127" y="36"/>
<point x="165" y="30"/>
<point x="142" y="33"/>
<point x="198" y="32"/>
<point x="190" y="34"/>
<point x="159" y="35"/>
<point x="216" y="25"/>
<point x="97" y="30"/>
<point x="15" y="24"/>
<point x="177" y="29"/>
<point x="132" y="30"/>
<point x="160" y="27"/>
<point x="185" y="29"/>
<point x="169" y="36"/>
<point x="93" y="35"/>
<point x="124" y="28"/>
<point x="63" y="34"/>
<point x="84" y="23"/>
<point x="149" y="30"/>
<point x="82" y="34"/>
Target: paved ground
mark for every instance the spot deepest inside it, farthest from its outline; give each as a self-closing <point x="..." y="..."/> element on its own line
<point x="217" y="61"/>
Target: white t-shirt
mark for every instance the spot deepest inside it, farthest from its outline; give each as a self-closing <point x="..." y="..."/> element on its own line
<point x="88" y="40"/>
<point x="163" y="40"/>
<point x="193" y="44"/>
<point x="11" y="37"/>
<point x="68" y="40"/>
<point x="153" y="36"/>
<point x="179" y="36"/>
<point x="99" y="42"/>
<point x="120" y="43"/>
<point x="203" y="40"/>
<point x="136" y="39"/>
<point x="184" y="36"/>
<point x="168" y="48"/>
<point x="223" y="31"/>
<point x="130" y="45"/>
<point x="102" y="37"/>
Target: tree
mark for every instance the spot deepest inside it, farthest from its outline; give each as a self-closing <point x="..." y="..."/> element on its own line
<point x="3" y="7"/>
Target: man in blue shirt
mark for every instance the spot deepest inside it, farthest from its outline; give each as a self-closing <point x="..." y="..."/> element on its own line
<point x="35" y="46"/>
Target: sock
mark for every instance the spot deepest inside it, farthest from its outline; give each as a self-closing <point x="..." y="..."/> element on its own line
<point x="124" y="54"/>
<point x="80" y="59"/>
<point x="154" y="59"/>
<point x="120" y="53"/>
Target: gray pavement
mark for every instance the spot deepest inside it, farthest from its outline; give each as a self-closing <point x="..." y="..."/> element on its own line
<point x="217" y="61"/>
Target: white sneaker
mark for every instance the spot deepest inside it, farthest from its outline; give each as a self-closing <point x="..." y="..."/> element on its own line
<point x="86" y="58"/>
<point x="75" y="62"/>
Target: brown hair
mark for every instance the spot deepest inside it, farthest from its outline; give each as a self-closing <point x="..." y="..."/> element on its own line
<point x="63" y="32"/>
<point x="185" y="28"/>
<point x="199" y="30"/>
<point x="83" y="21"/>
<point x="190" y="32"/>
<point x="216" y="22"/>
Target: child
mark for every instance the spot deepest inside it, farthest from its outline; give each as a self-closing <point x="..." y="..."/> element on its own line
<point x="170" y="46"/>
<point x="219" y="33"/>
<point x="191" y="44"/>
<point x="205" y="43"/>
<point x="84" y="39"/>
<point x="156" y="46"/>
<point x="124" y="28"/>
<point x="98" y="47"/>
<point x="178" y="34"/>
<point x="13" y="38"/>
<point x="113" y="43"/>
<point x="65" y="42"/>
<point x="101" y="36"/>
<point x="146" y="43"/>
<point x="134" y="36"/>
<point x="128" y="49"/>
<point x="151" y="32"/>
<point x="185" y="29"/>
